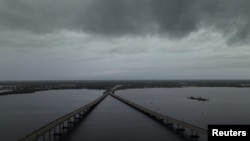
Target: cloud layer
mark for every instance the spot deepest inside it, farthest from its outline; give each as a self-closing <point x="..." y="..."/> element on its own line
<point x="172" y="18"/>
<point x="124" y="39"/>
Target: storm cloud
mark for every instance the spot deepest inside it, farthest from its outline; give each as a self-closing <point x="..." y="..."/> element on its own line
<point x="124" y="39"/>
<point x="171" y="18"/>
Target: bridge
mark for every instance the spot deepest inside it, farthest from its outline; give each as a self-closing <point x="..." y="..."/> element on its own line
<point x="56" y="127"/>
<point x="64" y="123"/>
<point x="166" y="120"/>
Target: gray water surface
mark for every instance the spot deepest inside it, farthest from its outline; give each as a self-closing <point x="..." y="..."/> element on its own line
<point x="112" y="120"/>
<point x="225" y="105"/>
<point x="21" y="114"/>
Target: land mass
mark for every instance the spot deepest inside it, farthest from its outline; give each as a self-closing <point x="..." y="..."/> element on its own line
<point x="21" y="87"/>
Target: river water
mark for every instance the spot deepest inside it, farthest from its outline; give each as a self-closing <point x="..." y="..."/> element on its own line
<point x="225" y="105"/>
<point x="21" y="114"/>
<point x="113" y="120"/>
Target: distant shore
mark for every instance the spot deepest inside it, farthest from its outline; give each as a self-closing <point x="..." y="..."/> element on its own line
<point x="22" y="87"/>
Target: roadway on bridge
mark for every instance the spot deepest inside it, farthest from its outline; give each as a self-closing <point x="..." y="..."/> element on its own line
<point x="113" y="120"/>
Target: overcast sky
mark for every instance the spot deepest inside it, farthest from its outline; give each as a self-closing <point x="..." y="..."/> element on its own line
<point x="124" y="39"/>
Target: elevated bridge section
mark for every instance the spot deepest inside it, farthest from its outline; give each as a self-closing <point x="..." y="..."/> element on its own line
<point x="57" y="127"/>
<point x="166" y="120"/>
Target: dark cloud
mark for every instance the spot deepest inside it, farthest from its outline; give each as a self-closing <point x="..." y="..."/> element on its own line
<point x="230" y="17"/>
<point x="117" y="17"/>
<point x="174" y="18"/>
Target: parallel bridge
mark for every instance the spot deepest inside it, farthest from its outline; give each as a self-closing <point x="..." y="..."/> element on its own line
<point x="57" y="127"/>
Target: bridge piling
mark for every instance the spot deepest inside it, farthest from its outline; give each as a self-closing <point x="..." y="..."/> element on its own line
<point x="194" y="135"/>
<point x="50" y="135"/>
<point x="169" y="124"/>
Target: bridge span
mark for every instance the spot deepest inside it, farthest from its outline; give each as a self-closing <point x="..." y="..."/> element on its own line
<point x="166" y="120"/>
<point x="57" y="127"/>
